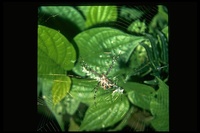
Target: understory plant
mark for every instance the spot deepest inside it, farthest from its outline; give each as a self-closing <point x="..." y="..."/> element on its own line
<point x="103" y="68"/>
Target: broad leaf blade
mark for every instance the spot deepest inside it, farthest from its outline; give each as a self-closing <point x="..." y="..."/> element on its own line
<point x="83" y="90"/>
<point x="106" y="113"/>
<point x="55" y="53"/>
<point x="60" y="88"/>
<point x="65" y="12"/>
<point x="160" y="107"/>
<point x="97" y="46"/>
<point x="100" y="14"/>
<point x="139" y="94"/>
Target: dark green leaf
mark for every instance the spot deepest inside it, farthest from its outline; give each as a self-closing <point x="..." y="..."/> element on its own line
<point x="160" y="20"/>
<point x="55" y="53"/>
<point x="160" y="107"/>
<point x="165" y="31"/>
<point x="100" y="14"/>
<point x="84" y="9"/>
<point x="65" y="12"/>
<point x="130" y="13"/>
<point x="139" y="94"/>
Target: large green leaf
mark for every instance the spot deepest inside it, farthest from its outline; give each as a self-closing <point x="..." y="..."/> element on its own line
<point x="160" y="107"/>
<point x="68" y="13"/>
<point x="55" y="53"/>
<point x="100" y="14"/>
<point x="139" y="94"/>
<point x="82" y="90"/>
<point x="106" y="112"/>
<point x="97" y="46"/>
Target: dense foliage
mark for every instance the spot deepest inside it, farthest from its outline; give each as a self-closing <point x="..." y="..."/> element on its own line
<point x="128" y="44"/>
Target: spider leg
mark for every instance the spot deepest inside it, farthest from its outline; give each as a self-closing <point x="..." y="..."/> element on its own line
<point x="95" y="91"/>
<point x="89" y="68"/>
<point x="111" y="66"/>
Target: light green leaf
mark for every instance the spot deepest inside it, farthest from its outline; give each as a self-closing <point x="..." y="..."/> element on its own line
<point x="137" y="27"/>
<point x="160" y="107"/>
<point x="60" y="88"/>
<point x="100" y="14"/>
<point x="55" y="53"/>
<point x="65" y="12"/>
<point x="97" y="46"/>
<point x="106" y="113"/>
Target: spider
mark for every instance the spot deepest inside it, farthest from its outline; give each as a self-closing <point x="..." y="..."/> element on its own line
<point x="103" y="80"/>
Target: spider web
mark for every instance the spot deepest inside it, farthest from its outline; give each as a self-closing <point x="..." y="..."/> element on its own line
<point x="138" y="118"/>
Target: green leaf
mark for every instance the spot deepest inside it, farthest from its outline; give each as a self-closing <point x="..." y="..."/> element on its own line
<point x="105" y="113"/>
<point x="71" y="104"/>
<point x="61" y="87"/>
<point x="165" y="31"/>
<point x="73" y="126"/>
<point x="47" y="96"/>
<point x="65" y="12"/>
<point x="137" y="27"/>
<point x="55" y="53"/>
<point x="160" y="107"/>
<point x="100" y="14"/>
<point x="160" y="20"/>
<point x="130" y="13"/>
<point x="82" y="90"/>
<point x="84" y="9"/>
<point x="97" y="46"/>
<point x="139" y="94"/>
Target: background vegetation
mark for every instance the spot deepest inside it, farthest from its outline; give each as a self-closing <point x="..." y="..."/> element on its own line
<point x="138" y="35"/>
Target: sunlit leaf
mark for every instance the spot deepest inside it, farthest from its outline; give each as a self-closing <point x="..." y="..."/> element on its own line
<point x="83" y="90"/>
<point x="97" y="47"/>
<point x="55" y="53"/>
<point x="100" y="14"/>
<point x="60" y="88"/>
<point x="137" y="27"/>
